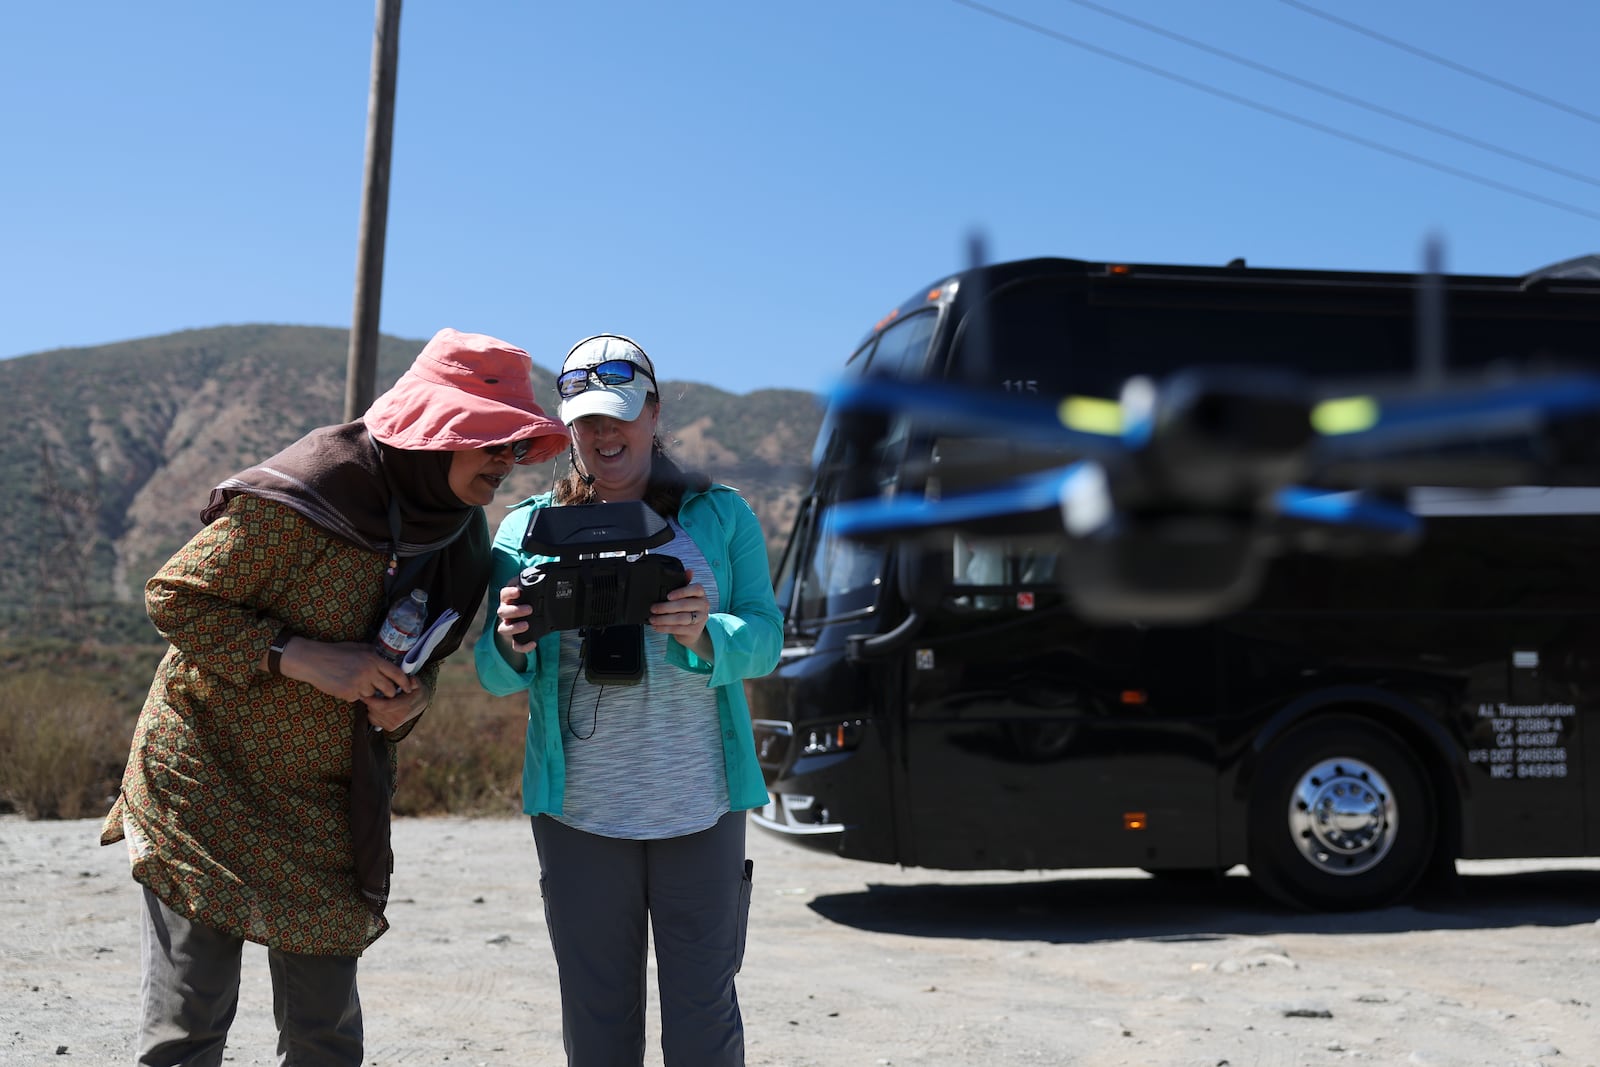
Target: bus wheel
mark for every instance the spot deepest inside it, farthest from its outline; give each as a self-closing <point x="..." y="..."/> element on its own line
<point x="1340" y="818"/>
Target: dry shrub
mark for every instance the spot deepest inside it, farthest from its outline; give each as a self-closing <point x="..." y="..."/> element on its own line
<point x="465" y="755"/>
<point x="67" y="717"/>
<point x="63" y="743"/>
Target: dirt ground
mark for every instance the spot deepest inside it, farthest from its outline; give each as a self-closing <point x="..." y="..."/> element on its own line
<point x="851" y="963"/>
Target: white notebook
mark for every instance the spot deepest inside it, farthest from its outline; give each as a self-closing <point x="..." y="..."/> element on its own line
<point x="429" y="641"/>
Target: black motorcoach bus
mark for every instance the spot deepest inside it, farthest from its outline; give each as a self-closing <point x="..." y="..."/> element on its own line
<point x="1363" y="722"/>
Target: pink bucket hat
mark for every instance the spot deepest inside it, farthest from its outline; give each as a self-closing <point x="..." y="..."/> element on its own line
<point x="466" y="390"/>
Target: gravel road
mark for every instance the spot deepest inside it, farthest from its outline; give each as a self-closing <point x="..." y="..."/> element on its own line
<point x="851" y="963"/>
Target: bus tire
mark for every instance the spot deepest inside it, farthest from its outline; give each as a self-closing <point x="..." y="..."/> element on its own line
<point x="1341" y="817"/>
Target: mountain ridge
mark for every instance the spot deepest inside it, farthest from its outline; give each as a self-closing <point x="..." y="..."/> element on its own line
<point x="108" y="453"/>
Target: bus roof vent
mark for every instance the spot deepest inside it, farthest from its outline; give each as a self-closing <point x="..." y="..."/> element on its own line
<point x="1236" y="263"/>
<point x="1583" y="268"/>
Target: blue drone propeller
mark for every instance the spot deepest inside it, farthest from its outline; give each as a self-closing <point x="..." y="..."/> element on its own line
<point x="1169" y="500"/>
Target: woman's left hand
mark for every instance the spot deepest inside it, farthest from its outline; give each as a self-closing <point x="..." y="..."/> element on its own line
<point x="683" y="614"/>
<point x="391" y="713"/>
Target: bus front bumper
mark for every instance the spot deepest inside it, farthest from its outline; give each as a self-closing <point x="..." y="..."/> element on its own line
<point x="795" y="815"/>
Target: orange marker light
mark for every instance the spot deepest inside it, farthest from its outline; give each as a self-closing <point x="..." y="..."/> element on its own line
<point x="934" y="294"/>
<point x="1134" y="820"/>
<point x="1135" y="696"/>
<point x="886" y="320"/>
<point x="1118" y="268"/>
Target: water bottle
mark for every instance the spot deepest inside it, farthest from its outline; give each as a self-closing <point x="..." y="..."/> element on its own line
<point x="403" y="626"/>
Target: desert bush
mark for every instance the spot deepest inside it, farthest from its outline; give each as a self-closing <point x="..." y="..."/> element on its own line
<point x="63" y="743"/>
<point x="465" y="756"/>
<point x="67" y="714"/>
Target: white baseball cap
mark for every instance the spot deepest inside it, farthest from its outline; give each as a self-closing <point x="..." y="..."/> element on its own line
<point x="607" y="374"/>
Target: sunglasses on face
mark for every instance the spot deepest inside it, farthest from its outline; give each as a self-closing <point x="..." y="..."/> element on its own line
<point x="610" y="372"/>
<point x="518" y="450"/>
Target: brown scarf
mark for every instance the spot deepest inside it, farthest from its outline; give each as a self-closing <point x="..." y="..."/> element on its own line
<point x="398" y="503"/>
<point x="390" y="500"/>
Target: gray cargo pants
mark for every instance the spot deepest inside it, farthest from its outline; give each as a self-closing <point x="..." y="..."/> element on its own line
<point x="190" y="991"/>
<point x="694" y="893"/>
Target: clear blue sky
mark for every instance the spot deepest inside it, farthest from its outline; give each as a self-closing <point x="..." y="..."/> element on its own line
<point x="745" y="187"/>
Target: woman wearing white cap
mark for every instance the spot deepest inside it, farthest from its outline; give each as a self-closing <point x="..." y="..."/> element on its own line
<point x="637" y="793"/>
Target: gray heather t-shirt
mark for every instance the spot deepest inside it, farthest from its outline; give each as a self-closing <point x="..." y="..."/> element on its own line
<point x="643" y="761"/>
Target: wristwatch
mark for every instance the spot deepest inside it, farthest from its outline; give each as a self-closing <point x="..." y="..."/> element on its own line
<point x="275" y="651"/>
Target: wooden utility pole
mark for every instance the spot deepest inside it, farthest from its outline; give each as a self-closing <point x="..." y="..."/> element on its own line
<point x="363" y="360"/>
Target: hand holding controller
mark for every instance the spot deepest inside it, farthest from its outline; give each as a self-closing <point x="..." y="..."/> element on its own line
<point x="594" y="592"/>
<point x="603" y="574"/>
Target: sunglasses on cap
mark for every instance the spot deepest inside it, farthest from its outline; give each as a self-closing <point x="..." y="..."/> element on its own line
<point x="609" y="372"/>
<point x="518" y="449"/>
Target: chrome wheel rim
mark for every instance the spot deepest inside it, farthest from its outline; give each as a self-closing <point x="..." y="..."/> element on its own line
<point x="1342" y="816"/>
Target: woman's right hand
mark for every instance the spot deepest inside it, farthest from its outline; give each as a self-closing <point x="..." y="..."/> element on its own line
<point x="348" y="670"/>
<point x="512" y="622"/>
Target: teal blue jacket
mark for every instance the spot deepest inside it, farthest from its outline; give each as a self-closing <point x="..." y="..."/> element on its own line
<point x="746" y="637"/>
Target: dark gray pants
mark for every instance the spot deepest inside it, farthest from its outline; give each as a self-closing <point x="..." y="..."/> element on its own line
<point x="694" y="892"/>
<point x="190" y="991"/>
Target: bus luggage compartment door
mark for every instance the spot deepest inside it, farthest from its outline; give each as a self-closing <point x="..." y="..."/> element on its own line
<point x="1056" y="744"/>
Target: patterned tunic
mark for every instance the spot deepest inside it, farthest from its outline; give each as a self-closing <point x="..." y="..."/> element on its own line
<point x="236" y="794"/>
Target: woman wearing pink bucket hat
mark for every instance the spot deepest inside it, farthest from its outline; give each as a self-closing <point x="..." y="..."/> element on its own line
<point x="255" y="802"/>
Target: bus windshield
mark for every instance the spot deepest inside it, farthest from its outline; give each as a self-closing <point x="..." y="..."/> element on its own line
<point x="824" y="577"/>
<point x="837" y="577"/>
